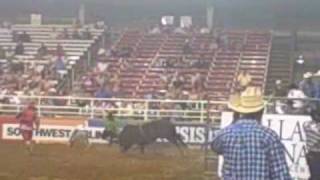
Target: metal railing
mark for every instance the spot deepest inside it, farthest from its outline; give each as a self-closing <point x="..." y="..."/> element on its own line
<point x="179" y="110"/>
<point x="140" y="109"/>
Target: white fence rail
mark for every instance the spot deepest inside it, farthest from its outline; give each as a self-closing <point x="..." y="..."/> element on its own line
<point x="180" y="110"/>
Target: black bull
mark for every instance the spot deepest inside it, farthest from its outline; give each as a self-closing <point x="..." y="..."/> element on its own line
<point x="148" y="133"/>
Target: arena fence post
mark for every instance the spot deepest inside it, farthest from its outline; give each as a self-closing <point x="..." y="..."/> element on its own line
<point x="202" y="111"/>
<point x="146" y="110"/>
<point x="89" y="59"/>
<point x="92" y="108"/>
<point x="210" y="158"/>
<point x="39" y="105"/>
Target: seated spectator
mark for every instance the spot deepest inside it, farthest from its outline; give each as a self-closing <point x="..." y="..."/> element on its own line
<point x="155" y="30"/>
<point x="59" y="65"/>
<point x="125" y="52"/>
<point x="296" y="106"/>
<point x="43" y="50"/>
<point x="10" y="52"/>
<point x="316" y="79"/>
<point x="244" y="79"/>
<point x="19" y="49"/>
<point x="54" y="34"/>
<point x="15" y="36"/>
<point x="187" y="47"/>
<point x="213" y="46"/>
<point x="59" y="51"/>
<point x="24" y="37"/>
<point x="151" y="94"/>
<point x="103" y="92"/>
<point x="307" y="85"/>
<point x="64" y="34"/>
<point x="75" y="34"/>
<point x="2" y="53"/>
<point x="180" y="31"/>
<point x="86" y="34"/>
<point x="197" y="82"/>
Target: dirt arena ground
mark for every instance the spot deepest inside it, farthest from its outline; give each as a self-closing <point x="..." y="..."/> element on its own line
<point x="59" y="162"/>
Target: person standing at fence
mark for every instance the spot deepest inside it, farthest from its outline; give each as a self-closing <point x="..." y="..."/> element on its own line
<point x="250" y="150"/>
<point x="312" y="130"/>
<point x="28" y="119"/>
<point x="112" y="126"/>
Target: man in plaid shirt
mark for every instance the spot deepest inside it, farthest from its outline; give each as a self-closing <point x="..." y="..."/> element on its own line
<point x="250" y="150"/>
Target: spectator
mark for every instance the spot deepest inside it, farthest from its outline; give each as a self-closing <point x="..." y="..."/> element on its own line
<point x="312" y="130"/>
<point x="224" y="41"/>
<point x="243" y="80"/>
<point x="64" y="34"/>
<point x="213" y="46"/>
<point x="250" y="150"/>
<point x="59" y="51"/>
<point x="86" y="34"/>
<point x="151" y="94"/>
<point x="54" y="34"/>
<point x="75" y="34"/>
<point x="10" y="52"/>
<point x="24" y="37"/>
<point x="43" y="50"/>
<point x="317" y="85"/>
<point x="307" y="85"/>
<point x="2" y="53"/>
<point x="102" y="92"/>
<point x="187" y="47"/>
<point x="15" y="36"/>
<point x="295" y="96"/>
<point x="197" y="82"/>
<point x="279" y="91"/>
<point x="59" y="64"/>
<point x="179" y="31"/>
<point x="19" y="49"/>
<point x="155" y="30"/>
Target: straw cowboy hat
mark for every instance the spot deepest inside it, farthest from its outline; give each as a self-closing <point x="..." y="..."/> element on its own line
<point x="250" y="101"/>
<point x="307" y="75"/>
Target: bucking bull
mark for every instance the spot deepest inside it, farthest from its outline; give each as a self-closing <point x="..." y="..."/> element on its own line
<point x="141" y="135"/>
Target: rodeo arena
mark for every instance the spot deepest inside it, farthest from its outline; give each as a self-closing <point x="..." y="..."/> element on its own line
<point x="159" y="90"/>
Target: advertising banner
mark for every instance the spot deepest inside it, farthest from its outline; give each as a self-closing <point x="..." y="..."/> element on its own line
<point x="60" y="131"/>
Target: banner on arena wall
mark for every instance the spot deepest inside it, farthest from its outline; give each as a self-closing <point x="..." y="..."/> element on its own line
<point x="167" y="20"/>
<point x="192" y="134"/>
<point x="50" y="133"/>
<point x="185" y="21"/>
<point x="36" y="19"/>
<point x="291" y="132"/>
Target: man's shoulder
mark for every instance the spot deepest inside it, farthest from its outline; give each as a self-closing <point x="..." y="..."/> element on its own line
<point x="266" y="134"/>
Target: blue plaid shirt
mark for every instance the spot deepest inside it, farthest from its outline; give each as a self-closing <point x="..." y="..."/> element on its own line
<point x="251" y="152"/>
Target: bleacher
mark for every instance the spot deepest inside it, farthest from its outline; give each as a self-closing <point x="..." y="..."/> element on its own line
<point x="73" y="49"/>
<point x="225" y="64"/>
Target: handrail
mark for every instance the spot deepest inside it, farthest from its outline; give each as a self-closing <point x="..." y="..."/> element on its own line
<point x="140" y="109"/>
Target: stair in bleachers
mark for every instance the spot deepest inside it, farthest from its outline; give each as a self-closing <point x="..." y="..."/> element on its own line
<point x="280" y="66"/>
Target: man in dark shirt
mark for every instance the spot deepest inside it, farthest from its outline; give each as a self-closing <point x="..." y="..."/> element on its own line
<point x="86" y="34"/>
<point x="312" y="130"/>
<point x="43" y="50"/>
<point x="19" y="49"/>
<point x="250" y="150"/>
